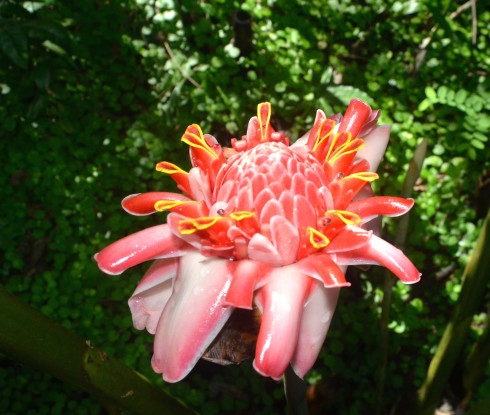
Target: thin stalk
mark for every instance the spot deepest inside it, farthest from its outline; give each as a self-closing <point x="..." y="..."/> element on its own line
<point x="31" y="337"/>
<point x="295" y="390"/>
<point x="476" y="362"/>
<point x="448" y="352"/>
<point x="411" y="177"/>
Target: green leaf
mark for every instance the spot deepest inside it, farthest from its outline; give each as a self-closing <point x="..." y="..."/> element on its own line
<point x="424" y="105"/>
<point x="477" y="144"/>
<point x="442" y="93"/>
<point x="13" y="42"/>
<point x="461" y="96"/>
<point x="345" y="93"/>
<point x="430" y="93"/>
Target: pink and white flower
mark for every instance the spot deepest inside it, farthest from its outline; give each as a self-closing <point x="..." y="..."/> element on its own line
<point x="260" y="224"/>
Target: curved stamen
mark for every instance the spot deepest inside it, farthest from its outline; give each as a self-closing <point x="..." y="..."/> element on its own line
<point x="162" y="205"/>
<point x="264" y="116"/>
<point x="326" y="128"/>
<point x="347" y="148"/>
<point x="349" y="218"/>
<point x="317" y="239"/>
<point x="366" y="176"/>
<point x="242" y="214"/>
<point x="169" y="168"/>
<point x="189" y="226"/>
<point x="194" y="137"/>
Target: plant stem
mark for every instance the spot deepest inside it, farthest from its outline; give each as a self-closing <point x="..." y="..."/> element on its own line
<point x="413" y="173"/>
<point x="295" y="389"/>
<point x="449" y="350"/>
<point x="32" y="338"/>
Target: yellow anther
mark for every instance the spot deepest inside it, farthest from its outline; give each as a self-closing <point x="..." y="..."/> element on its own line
<point x="367" y="176"/>
<point x="169" y="168"/>
<point x="334" y="142"/>
<point x="162" y="205"/>
<point x="266" y="106"/>
<point x="320" y="139"/>
<point x="349" y="218"/>
<point x="194" y="137"/>
<point x="242" y="214"/>
<point x="317" y="239"/>
<point x="344" y="150"/>
<point x="189" y="226"/>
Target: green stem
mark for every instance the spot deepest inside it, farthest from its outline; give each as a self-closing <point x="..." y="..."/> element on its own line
<point x="295" y="389"/>
<point x="476" y="362"/>
<point x="413" y="173"/>
<point x="451" y="345"/>
<point x="31" y="337"/>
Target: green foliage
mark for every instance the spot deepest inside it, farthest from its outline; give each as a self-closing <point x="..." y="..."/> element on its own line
<point x="94" y="93"/>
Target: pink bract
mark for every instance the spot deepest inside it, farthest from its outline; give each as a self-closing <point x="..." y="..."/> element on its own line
<point x="263" y="224"/>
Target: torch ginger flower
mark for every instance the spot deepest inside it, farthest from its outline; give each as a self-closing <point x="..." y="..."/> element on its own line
<point x="261" y="223"/>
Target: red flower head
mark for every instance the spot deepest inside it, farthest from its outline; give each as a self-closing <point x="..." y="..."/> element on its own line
<point x="261" y="223"/>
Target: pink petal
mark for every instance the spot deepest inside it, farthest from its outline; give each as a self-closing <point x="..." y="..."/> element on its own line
<point x="261" y="249"/>
<point x="378" y="251"/>
<point x="355" y="115"/>
<point x="271" y="209"/>
<point x="281" y="300"/>
<point x="152" y="293"/>
<point x="155" y="242"/>
<point x="141" y="204"/>
<point x="285" y="238"/>
<point x="376" y="142"/>
<point x="371" y="207"/>
<point x="246" y="274"/>
<point x="193" y="316"/>
<point x="322" y="267"/>
<point x="315" y="322"/>
<point x="199" y="186"/>
<point x="303" y="213"/>
<point x="351" y="237"/>
<point x="313" y="133"/>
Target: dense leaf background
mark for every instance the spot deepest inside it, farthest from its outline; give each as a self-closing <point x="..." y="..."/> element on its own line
<point x="93" y="93"/>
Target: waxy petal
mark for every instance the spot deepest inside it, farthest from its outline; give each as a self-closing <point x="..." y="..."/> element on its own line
<point x="152" y="293"/>
<point x="141" y="204"/>
<point x="371" y="207"/>
<point x="281" y="301"/>
<point x="378" y="251"/>
<point x="285" y="238"/>
<point x="355" y="116"/>
<point x="322" y="268"/>
<point x="193" y="316"/>
<point x="246" y="276"/>
<point x="261" y="249"/>
<point x="351" y="237"/>
<point x="314" y="326"/>
<point x="151" y="243"/>
<point x="376" y="142"/>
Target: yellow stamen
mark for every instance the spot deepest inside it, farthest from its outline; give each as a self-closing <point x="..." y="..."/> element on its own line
<point x="343" y="150"/>
<point x="162" y="205"/>
<point x="189" y="226"/>
<point x="264" y="126"/>
<point x="317" y="239"/>
<point x="334" y="142"/>
<point x="169" y="168"/>
<point x="240" y="215"/>
<point x="367" y="176"/>
<point x="193" y="136"/>
<point x="349" y="218"/>
<point x="325" y="136"/>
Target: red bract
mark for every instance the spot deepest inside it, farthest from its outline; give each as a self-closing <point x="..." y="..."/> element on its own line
<point x="261" y="223"/>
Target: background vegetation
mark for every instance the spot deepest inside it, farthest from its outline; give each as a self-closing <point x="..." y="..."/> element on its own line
<point x="93" y="93"/>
